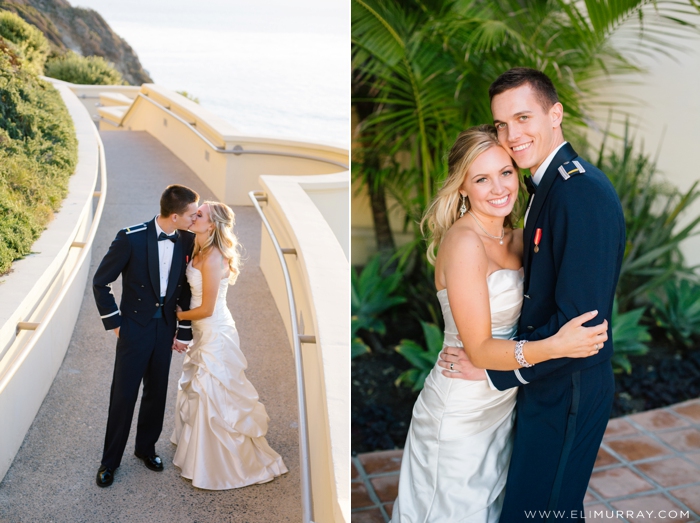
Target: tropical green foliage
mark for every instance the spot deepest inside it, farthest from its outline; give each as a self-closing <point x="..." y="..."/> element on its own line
<point x="422" y="71"/>
<point x="422" y="359"/>
<point x="38" y="153"/>
<point x="188" y="96"/>
<point x="679" y="313"/>
<point x="653" y="212"/>
<point x="25" y="40"/>
<point x="85" y="70"/>
<point x="629" y="337"/>
<point x="373" y="292"/>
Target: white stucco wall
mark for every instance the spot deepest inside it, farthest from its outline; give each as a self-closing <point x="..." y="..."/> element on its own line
<point x="667" y="116"/>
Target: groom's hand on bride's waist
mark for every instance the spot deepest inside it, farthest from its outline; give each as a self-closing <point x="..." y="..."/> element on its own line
<point x="456" y="364"/>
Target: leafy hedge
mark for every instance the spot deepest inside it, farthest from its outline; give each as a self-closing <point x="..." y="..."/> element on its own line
<point x="85" y="70"/>
<point x="26" y="40"/>
<point x="38" y="151"/>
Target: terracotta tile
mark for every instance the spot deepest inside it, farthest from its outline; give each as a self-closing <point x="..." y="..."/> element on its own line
<point x="618" y="427"/>
<point x="389" y="507"/>
<point x="689" y="409"/>
<point x="635" y="448"/>
<point x="354" y="474"/>
<point x="656" y="503"/>
<point x="359" y="497"/>
<point x="658" y="420"/>
<point x="604" y="459"/>
<point x="382" y="461"/>
<point x="599" y="514"/>
<point x="589" y="498"/>
<point x="690" y="496"/>
<point x="671" y="472"/>
<point x="367" y="516"/>
<point x="386" y="487"/>
<point x="617" y="482"/>
<point x="695" y="458"/>
<point x="684" y="440"/>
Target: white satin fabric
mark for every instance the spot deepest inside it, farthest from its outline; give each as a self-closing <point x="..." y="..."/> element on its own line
<point x="456" y="457"/>
<point x="220" y="425"/>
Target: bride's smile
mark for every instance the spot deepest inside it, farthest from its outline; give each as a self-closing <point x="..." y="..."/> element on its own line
<point x="491" y="186"/>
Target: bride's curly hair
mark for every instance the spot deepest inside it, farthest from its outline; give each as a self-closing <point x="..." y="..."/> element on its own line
<point x="443" y="211"/>
<point x="222" y="237"/>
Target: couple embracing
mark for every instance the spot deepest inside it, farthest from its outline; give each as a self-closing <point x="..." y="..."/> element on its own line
<point x="176" y="269"/>
<point x="516" y="442"/>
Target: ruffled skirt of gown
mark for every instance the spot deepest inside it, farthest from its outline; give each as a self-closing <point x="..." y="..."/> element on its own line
<point x="220" y="425"/>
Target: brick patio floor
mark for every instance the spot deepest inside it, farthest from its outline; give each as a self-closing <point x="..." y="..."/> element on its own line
<point x="647" y="462"/>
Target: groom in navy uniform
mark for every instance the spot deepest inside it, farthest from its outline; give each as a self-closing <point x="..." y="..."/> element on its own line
<point x="151" y="258"/>
<point x="574" y="241"/>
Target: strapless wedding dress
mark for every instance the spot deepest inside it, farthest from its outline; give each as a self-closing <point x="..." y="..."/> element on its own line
<point x="220" y="425"/>
<point x="456" y="457"/>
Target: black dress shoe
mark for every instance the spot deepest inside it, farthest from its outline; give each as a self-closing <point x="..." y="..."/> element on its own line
<point x="105" y="476"/>
<point x="153" y="461"/>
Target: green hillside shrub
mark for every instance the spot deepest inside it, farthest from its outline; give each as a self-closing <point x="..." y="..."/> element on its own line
<point x="38" y="153"/>
<point x="25" y="40"/>
<point x="85" y="70"/>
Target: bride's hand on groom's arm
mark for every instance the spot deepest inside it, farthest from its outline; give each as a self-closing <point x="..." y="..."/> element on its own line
<point x="576" y="341"/>
<point x="457" y="365"/>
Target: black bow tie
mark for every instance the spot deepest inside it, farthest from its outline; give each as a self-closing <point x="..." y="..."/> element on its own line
<point x="162" y="236"/>
<point x="531" y="187"/>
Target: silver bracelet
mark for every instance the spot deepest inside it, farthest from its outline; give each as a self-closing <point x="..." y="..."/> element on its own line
<point x="519" y="354"/>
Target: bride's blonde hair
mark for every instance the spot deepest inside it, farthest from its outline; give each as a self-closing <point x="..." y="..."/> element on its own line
<point x="443" y="211"/>
<point x="222" y="238"/>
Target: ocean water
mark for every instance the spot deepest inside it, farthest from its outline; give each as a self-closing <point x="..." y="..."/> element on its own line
<point x="270" y="67"/>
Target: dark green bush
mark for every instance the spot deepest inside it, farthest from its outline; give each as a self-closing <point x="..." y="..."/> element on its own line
<point x="422" y="359"/>
<point x="629" y="337"/>
<point x="653" y="213"/>
<point x="25" y="40"/>
<point x="85" y="70"/>
<point x="38" y="153"/>
<point x="372" y="294"/>
<point x="679" y="313"/>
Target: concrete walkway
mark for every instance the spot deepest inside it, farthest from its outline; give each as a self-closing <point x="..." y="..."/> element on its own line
<point x="52" y="478"/>
<point x="648" y="467"/>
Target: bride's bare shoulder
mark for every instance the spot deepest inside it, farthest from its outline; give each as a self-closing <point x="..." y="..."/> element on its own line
<point x="462" y="243"/>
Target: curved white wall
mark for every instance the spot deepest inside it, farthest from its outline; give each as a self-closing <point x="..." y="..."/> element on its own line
<point x="30" y="360"/>
<point x="296" y="209"/>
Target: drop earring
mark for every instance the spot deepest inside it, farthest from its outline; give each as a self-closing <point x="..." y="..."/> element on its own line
<point x="463" y="208"/>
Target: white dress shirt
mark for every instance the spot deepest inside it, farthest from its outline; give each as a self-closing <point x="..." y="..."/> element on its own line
<point x="539" y="173"/>
<point x="165" y="261"/>
<point x="165" y="257"/>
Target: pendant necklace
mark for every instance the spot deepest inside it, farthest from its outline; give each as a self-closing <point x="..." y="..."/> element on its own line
<point x="499" y="238"/>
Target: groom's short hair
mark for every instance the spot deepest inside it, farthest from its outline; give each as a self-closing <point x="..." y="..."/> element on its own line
<point x="175" y="200"/>
<point x="537" y="80"/>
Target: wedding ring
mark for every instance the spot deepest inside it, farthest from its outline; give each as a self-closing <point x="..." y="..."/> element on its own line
<point x="596" y="346"/>
<point x="452" y="366"/>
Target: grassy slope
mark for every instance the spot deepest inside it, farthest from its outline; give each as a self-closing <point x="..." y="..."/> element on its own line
<point x="38" y="153"/>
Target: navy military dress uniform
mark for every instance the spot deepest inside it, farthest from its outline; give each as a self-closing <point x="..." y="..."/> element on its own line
<point x="574" y="241"/>
<point x="147" y="326"/>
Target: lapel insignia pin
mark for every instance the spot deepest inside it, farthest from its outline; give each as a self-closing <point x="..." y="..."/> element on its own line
<point x="538" y="237"/>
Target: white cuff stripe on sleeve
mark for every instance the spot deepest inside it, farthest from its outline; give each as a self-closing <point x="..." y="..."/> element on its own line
<point x="520" y="378"/>
<point x="108" y="315"/>
<point x="184" y="326"/>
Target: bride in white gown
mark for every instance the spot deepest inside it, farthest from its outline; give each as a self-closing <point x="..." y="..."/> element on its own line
<point x="456" y="456"/>
<point x="220" y="425"/>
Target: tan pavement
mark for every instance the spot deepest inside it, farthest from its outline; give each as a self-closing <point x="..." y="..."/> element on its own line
<point x="52" y="478"/>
